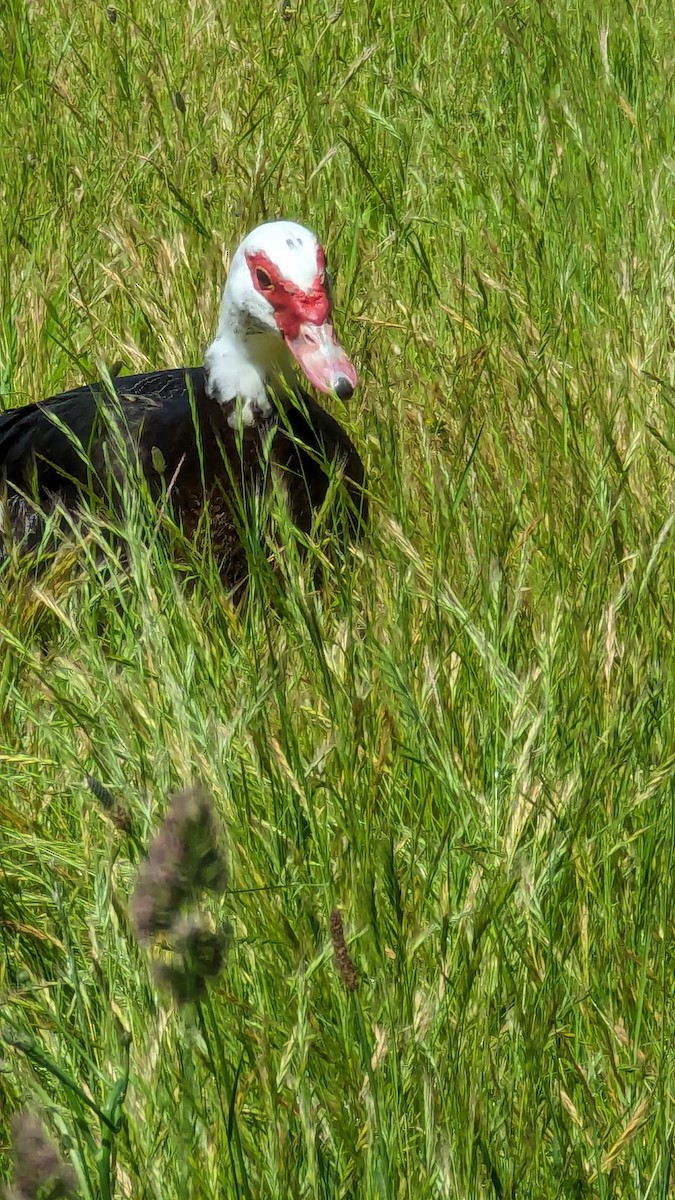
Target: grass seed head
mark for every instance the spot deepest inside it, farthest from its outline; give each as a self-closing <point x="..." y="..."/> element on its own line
<point x="116" y="810"/>
<point x="199" y="954"/>
<point x="202" y="948"/>
<point x="184" y="859"/>
<point x="343" y="959"/>
<point x="39" y="1171"/>
<point x="185" y="987"/>
<point x="163" y="884"/>
<point x="193" y="818"/>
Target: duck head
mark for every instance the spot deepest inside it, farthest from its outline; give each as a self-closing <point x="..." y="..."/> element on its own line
<point x="276" y="308"/>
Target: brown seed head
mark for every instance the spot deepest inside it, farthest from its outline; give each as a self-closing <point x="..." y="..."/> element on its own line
<point x="202" y="948"/>
<point x="343" y="959"/>
<point x="183" y="859"/>
<point x="39" y="1170"/>
<point x="199" y="955"/>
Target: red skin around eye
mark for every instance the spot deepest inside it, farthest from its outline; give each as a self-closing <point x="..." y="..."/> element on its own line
<point x="292" y="307"/>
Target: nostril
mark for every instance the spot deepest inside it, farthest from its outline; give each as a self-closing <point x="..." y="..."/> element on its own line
<point x="310" y="338"/>
<point x="343" y="388"/>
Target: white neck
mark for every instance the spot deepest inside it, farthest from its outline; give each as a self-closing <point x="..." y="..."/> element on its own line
<point x="243" y="367"/>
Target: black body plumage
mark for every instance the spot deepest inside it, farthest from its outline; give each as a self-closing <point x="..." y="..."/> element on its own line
<point x="55" y="453"/>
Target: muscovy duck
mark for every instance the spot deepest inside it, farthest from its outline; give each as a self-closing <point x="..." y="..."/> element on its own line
<point x="213" y="432"/>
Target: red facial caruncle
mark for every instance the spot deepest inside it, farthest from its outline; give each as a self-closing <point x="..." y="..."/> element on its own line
<point x="303" y="320"/>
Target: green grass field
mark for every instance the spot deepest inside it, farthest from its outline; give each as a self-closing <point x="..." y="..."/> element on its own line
<point x="467" y="743"/>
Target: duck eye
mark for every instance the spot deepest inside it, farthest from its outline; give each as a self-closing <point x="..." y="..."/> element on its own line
<point x="264" y="281"/>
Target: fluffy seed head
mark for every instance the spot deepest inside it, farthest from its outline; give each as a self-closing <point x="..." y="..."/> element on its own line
<point x="184" y="859"/>
<point x="39" y="1171"/>
<point x="199" y="954"/>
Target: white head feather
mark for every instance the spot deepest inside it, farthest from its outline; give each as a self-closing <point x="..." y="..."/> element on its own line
<point x="250" y="355"/>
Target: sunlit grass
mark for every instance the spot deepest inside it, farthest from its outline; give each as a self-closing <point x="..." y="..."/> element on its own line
<point x="465" y="742"/>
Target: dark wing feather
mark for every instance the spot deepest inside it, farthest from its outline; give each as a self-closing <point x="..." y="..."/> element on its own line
<point x="41" y="454"/>
<point x="311" y="439"/>
<point x="154" y="407"/>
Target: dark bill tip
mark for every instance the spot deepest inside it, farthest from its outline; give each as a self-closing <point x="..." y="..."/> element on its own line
<point x="343" y="388"/>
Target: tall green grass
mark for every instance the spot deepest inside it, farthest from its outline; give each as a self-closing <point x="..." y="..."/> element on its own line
<point x="466" y="743"/>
